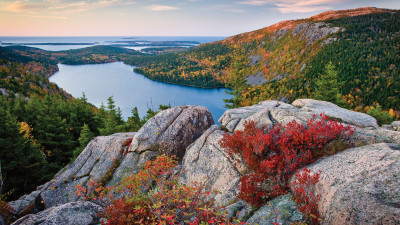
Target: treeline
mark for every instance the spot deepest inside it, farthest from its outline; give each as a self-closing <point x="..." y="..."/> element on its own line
<point x="202" y="66"/>
<point x="42" y="135"/>
<point x="24" y="72"/>
<point x="365" y="55"/>
<point x="93" y="55"/>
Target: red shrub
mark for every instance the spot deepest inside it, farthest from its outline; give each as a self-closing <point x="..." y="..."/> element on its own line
<point x="5" y="211"/>
<point x="154" y="195"/>
<point x="275" y="155"/>
<point x="306" y="199"/>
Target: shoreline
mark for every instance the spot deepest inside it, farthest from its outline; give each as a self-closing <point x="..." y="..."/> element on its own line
<point x="186" y="85"/>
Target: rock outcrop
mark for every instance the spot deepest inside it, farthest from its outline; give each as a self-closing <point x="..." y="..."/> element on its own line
<point x="281" y="210"/>
<point x="313" y="32"/>
<point x="206" y="162"/>
<point x="73" y="213"/>
<point x="357" y="186"/>
<point x="170" y="131"/>
<point x="93" y="163"/>
<point x="396" y="125"/>
<point x="256" y="79"/>
<point x="360" y="185"/>
<point x="335" y="112"/>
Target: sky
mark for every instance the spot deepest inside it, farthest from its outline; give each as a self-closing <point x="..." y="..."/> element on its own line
<point x="159" y="17"/>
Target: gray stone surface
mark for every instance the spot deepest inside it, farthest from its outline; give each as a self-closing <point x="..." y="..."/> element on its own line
<point x="313" y="32"/>
<point x="73" y="213"/>
<point x="387" y="127"/>
<point x="93" y="163"/>
<point x="256" y="79"/>
<point x="360" y="186"/>
<point x="205" y="162"/>
<point x="3" y="91"/>
<point x="24" y="202"/>
<point x="2" y="222"/>
<point x="206" y="159"/>
<point x="354" y="118"/>
<point x="255" y="59"/>
<point x="280" y="210"/>
<point x="396" y="125"/>
<point x="238" y="211"/>
<point x="172" y="130"/>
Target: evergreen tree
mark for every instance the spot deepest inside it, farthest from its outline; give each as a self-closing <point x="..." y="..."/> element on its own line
<point x="236" y="85"/>
<point x="113" y="121"/>
<point x="23" y="164"/>
<point x="327" y="87"/>
<point x="134" y="122"/>
<point x="85" y="137"/>
<point x="149" y="114"/>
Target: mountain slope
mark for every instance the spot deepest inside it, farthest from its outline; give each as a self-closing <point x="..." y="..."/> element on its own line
<point x="284" y="60"/>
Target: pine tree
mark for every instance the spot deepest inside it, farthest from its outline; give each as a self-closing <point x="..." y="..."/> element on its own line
<point x="327" y="87"/>
<point x="134" y="122"/>
<point x="113" y="121"/>
<point x="85" y="137"/>
<point x="18" y="155"/>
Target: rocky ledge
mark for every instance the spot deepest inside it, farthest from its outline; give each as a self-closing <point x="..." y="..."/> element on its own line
<point x="357" y="186"/>
<point x="349" y="181"/>
<point x="109" y="159"/>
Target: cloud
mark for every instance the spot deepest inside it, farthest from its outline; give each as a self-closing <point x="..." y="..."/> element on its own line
<point x="61" y="6"/>
<point x="234" y="10"/>
<point x="161" y="8"/>
<point x="50" y="17"/>
<point x="18" y="6"/>
<point x="294" y="6"/>
<point x="254" y="2"/>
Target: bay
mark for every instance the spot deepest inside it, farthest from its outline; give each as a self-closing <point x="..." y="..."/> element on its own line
<point x="130" y="89"/>
<point x="53" y="43"/>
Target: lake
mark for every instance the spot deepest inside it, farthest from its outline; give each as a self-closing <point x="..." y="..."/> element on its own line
<point x="130" y="89"/>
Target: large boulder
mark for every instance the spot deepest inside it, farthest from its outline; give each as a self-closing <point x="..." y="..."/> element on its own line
<point x="108" y="159"/>
<point x="361" y="120"/>
<point x="281" y="210"/>
<point x="360" y="185"/>
<point x="396" y="125"/>
<point x="172" y="130"/>
<point x="207" y="164"/>
<point x="93" y="163"/>
<point x="73" y="213"/>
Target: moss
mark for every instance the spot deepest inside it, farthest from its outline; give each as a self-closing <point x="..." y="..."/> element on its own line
<point x="224" y="128"/>
<point x="110" y="172"/>
<point x="336" y="146"/>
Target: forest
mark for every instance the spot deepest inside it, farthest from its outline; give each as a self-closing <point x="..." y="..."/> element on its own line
<point x="42" y="127"/>
<point x="365" y="53"/>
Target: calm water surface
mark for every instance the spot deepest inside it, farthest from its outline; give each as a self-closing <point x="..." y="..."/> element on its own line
<point x="130" y="89"/>
<point x="90" y="41"/>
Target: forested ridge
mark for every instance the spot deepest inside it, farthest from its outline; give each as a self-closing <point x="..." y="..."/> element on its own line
<point x="43" y="128"/>
<point x="289" y="57"/>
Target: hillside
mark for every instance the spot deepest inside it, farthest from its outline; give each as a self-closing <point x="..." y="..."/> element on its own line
<point x="24" y="70"/>
<point x="284" y="61"/>
<point x="353" y="172"/>
<point x="42" y="127"/>
<point x="24" y="75"/>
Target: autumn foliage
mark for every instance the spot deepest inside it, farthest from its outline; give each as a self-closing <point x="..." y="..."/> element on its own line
<point x="154" y="195"/>
<point x="5" y="211"/>
<point x="275" y="155"/>
<point x="305" y="198"/>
